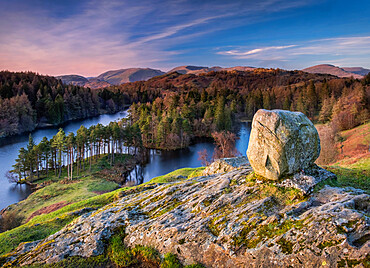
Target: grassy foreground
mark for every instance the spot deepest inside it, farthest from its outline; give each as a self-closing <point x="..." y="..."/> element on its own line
<point x="60" y="192"/>
<point x="84" y="194"/>
<point x="43" y="225"/>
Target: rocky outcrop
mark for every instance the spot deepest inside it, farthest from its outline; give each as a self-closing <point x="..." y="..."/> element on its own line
<point x="307" y="179"/>
<point x="282" y="143"/>
<point x="224" y="220"/>
<point x="225" y="165"/>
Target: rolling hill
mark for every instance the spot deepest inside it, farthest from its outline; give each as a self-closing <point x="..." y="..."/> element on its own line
<point x="117" y="77"/>
<point x="189" y="69"/>
<point x="76" y="80"/>
<point x="121" y="76"/>
<point x="114" y="77"/>
<point x="356" y="72"/>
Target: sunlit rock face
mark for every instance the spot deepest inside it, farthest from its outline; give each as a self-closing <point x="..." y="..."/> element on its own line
<point x="282" y="143"/>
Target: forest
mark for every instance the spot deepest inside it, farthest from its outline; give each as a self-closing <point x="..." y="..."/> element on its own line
<point x="174" y="109"/>
<point x="29" y="100"/>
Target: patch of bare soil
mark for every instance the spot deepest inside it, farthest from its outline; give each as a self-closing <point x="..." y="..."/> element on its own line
<point x="48" y="209"/>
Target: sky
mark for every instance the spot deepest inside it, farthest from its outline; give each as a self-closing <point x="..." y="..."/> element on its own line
<point x="88" y="37"/>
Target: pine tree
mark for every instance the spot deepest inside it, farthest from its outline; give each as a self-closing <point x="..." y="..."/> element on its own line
<point x="220" y="113"/>
<point x="20" y="164"/>
<point x="30" y="158"/>
<point x="70" y="144"/>
<point x="59" y="141"/>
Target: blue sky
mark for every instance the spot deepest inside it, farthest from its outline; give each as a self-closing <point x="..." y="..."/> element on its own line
<point x="91" y="36"/>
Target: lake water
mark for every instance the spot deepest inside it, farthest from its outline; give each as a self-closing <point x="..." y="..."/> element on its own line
<point x="9" y="148"/>
<point x="163" y="162"/>
<point x="160" y="162"/>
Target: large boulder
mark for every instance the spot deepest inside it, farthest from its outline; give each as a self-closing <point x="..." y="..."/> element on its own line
<point x="223" y="221"/>
<point x="282" y="143"/>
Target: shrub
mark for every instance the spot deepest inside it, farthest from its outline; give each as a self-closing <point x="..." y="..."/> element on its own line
<point x="10" y="220"/>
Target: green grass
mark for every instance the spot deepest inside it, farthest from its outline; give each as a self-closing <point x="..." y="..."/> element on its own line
<point x="348" y="177"/>
<point x="87" y="185"/>
<point x="98" y="164"/>
<point x="171" y="261"/>
<point x="76" y="191"/>
<point x="174" y="175"/>
<point x="123" y="256"/>
<point x="80" y="194"/>
<point x="11" y="239"/>
<point x="355" y="175"/>
<point x="44" y="225"/>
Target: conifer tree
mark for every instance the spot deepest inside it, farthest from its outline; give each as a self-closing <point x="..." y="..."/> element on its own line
<point x="59" y="141"/>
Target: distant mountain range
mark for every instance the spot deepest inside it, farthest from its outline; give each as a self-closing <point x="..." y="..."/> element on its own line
<point x="117" y="77"/>
<point x="114" y="77"/>
<point x="356" y="72"/>
<point x="200" y="69"/>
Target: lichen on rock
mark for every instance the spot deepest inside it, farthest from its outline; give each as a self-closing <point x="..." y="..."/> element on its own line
<point x="282" y="143"/>
<point x="222" y="220"/>
<point x="230" y="216"/>
<point x="225" y="165"/>
<point x="284" y="146"/>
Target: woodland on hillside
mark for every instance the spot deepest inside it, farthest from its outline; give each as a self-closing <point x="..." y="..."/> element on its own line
<point x="28" y="100"/>
<point x="173" y="109"/>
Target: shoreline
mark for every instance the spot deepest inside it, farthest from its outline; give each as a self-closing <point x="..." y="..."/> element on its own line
<point x="40" y="126"/>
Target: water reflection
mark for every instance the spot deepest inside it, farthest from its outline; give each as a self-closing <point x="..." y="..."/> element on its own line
<point x="163" y="162"/>
<point x="159" y="162"/>
<point x="9" y="147"/>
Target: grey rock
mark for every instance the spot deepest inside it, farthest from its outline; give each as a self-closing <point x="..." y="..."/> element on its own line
<point x="221" y="223"/>
<point x="282" y="143"/>
<point x="307" y="179"/>
<point x="225" y="165"/>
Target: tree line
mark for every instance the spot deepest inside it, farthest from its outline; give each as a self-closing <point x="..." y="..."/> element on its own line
<point x="76" y="152"/>
<point x="28" y="100"/>
<point x="173" y="109"/>
<point x="174" y="121"/>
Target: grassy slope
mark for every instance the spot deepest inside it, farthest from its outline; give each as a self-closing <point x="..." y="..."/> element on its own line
<point x="353" y="169"/>
<point x="353" y="166"/>
<point x="355" y="147"/>
<point x="44" y="225"/>
<point x="85" y="186"/>
<point x="177" y="174"/>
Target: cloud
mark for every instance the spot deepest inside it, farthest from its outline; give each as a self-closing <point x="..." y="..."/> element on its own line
<point x="341" y="50"/>
<point x="245" y="54"/>
<point x="92" y="36"/>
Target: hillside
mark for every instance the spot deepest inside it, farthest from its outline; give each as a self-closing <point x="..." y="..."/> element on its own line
<point x="76" y="80"/>
<point x="356" y="72"/>
<point x="188" y="69"/>
<point x="113" y="77"/>
<point x="220" y="220"/>
<point x="117" y="77"/>
<point x="96" y="83"/>
<point x="29" y="100"/>
<point x="121" y="76"/>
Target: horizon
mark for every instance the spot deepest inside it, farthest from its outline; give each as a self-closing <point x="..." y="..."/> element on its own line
<point x="91" y="37"/>
<point x="166" y="71"/>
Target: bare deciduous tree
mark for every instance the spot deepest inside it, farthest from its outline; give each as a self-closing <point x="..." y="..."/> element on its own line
<point x="225" y="144"/>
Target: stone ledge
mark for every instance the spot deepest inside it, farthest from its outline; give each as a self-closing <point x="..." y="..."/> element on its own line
<point x="307" y="179"/>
